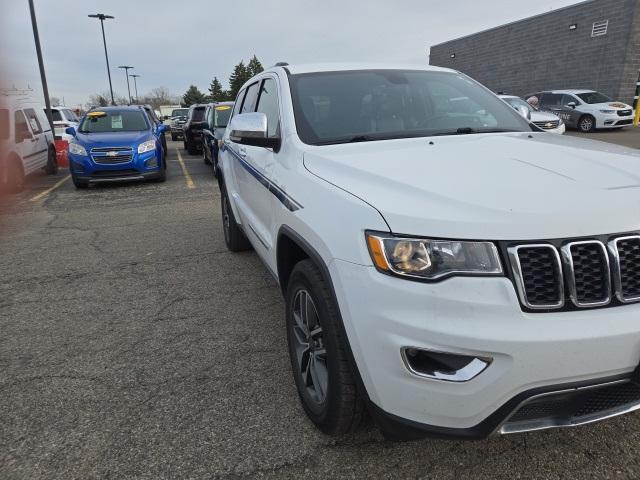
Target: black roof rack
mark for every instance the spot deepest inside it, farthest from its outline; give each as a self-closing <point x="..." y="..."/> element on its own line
<point x="281" y="64"/>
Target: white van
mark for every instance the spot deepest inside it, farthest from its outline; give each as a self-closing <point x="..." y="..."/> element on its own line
<point x="26" y="143"/>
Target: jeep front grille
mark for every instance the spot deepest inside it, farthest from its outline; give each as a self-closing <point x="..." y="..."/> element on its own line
<point x="582" y="274"/>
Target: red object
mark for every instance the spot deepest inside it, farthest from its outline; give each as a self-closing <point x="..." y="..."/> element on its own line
<point x="62" y="149"/>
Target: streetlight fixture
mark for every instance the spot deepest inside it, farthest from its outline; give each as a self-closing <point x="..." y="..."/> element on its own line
<point x="135" y="84"/>
<point x="102" y="17"/>
<point x="126" y="72"/>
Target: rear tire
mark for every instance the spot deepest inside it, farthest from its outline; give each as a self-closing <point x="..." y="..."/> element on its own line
<point x="174" y="137"/>
<point x="234" y="237"/>
<point x="52" y="162"/>
<point x="318" y="352"/>
<point x="587" y="124"/>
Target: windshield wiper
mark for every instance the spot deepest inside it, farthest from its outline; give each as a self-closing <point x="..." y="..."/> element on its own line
<point x="469" y="131"/>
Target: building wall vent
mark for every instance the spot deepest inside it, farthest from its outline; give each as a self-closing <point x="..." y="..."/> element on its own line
<point x="600" y="28"/>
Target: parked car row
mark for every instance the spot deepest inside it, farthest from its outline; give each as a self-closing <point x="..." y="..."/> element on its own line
<point x="584" y="110"/>
<point x="447" y="266"/>
<point x="204" y="128"/>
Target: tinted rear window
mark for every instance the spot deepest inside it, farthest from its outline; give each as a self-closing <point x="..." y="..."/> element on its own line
<point x="198" y="114"/>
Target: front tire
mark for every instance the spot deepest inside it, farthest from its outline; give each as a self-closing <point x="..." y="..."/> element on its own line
<point x="234" y="237"/>
<point x="587" y="124"/>
<point x="318" y="352"/>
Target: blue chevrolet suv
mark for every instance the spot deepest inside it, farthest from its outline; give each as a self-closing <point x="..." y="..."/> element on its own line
<point x="116" y="144"/>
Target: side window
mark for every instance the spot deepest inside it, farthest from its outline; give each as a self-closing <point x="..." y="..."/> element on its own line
<point x="268" y="104"/>
<point x="22" y="130"/>
<point x="236" y="106"/>
<point x="36" y="128"/>
<point x="249" y="104"/>
<point x="567" y="99"/>
<point x="56" y="115"/>
<point x="551" y="99"/>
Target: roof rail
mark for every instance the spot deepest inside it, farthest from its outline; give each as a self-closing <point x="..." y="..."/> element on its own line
<point x="281" y="64"/>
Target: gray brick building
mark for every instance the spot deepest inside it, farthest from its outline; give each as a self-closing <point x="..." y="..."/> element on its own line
<point x="594" y="44"/>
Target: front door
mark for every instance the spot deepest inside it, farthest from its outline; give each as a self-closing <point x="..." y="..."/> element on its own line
<point x="36" y="149"/>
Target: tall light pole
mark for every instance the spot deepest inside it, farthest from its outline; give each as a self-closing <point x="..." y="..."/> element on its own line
<point x="126" y="72"/>
<point x="43" y="77"/>
<point x="135" y="84"/>
<point x="102" y="18"/>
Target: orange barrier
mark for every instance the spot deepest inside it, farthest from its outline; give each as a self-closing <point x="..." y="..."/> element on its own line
<point x="62" y="149"/>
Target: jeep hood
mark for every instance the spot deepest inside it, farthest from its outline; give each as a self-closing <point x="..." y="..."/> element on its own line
<point x="512" y="186"/>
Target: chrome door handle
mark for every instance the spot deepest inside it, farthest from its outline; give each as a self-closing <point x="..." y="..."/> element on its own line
<point x="242" y="151"/>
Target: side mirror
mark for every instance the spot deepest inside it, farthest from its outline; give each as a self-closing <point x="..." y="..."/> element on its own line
<point x="160" y="129"/>
<point x="165" y="117"/>
<point x="70" y="131"/>
<point x="251" y="129"/>
<point x="571" y="105"/>
<point x="524" y="111"/>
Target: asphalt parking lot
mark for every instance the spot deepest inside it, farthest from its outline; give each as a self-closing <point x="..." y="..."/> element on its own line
<point x="135" y="346"/>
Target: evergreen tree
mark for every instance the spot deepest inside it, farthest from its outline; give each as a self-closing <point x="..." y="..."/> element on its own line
<point x="216" y="93"/>
<point x="254" y="66"/>
<point x="236" y="80"/>
<point x="192" y="96"/>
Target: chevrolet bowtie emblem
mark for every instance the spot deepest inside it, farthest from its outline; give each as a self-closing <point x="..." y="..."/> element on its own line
<point x="548" y="125"/>
<point x="112" y="154"/>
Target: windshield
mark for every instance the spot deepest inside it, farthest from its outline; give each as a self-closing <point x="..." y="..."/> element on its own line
<point x="223" y="112"/>
<point x="339" y="107"/>
<point x="593" y="97"/>
<point x="518" y="102"/>
<point x="114" y="121"/>
<point x="180" y="112"/>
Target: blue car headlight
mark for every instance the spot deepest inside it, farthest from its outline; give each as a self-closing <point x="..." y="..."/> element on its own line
<point x="147" y="146"/>
<point x="77" y="149"/>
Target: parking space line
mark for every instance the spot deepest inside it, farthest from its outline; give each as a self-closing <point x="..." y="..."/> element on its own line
<point x="187" y="176"/>
<point x="41" y="195"/>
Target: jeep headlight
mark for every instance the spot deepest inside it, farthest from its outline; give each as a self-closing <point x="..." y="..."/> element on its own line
<point x="147" y="146"/>
<point x="430" y="259"/>
<point x="77" y="149"/>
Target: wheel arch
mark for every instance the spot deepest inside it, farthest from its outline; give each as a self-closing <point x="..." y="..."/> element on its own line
<point x="285" y="261"/>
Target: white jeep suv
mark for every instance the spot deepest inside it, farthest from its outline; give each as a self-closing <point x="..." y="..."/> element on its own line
<point x="446" y="268"/>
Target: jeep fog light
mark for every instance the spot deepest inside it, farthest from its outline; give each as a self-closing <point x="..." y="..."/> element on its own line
<point x="448" y="367"/>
